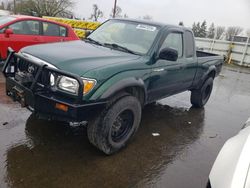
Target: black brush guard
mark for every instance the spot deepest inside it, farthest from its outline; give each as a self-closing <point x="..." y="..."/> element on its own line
<point x="28" y="82"/>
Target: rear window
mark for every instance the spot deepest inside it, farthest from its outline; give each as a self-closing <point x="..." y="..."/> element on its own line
<point x="6" y="19"/>
<point x="50" y="29"/>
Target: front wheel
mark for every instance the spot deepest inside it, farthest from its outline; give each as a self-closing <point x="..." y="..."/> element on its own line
<point x="199" y="97"/>
<point x="116" y="125"/>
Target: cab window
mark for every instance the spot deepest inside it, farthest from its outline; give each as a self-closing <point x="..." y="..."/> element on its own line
<point x="50" y="29"/>
<point x="174" y="41"/>
<point x="30" y="27"/>
<point x="190" y="44"/>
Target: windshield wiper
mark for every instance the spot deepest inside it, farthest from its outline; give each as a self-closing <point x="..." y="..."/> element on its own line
<point x="116" y="46"/>
<point x="93" y="41"/>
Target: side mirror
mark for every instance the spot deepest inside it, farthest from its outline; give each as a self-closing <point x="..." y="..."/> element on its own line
<point x="8" y="32"/>
<point x="169" y="54"/>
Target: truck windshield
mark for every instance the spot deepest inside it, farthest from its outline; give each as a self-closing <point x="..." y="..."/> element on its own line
<point x="134" y="36"/>
<point x="6" y="19"/>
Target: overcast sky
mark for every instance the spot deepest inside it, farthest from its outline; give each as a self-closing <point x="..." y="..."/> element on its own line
<point x="221" y="12"/>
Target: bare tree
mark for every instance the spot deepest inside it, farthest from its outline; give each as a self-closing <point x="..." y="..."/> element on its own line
<point x="219" y="31"/>
<point x="97" y="13"/>
<point x="46" y="7"/>
<point x="118" y="12"/>
<point x="233" y="31"/>
<point x="125" y="16"/>
<point x="9" y="7"/>
<point x="2" y="5"/>
<point x="147" y="17"/>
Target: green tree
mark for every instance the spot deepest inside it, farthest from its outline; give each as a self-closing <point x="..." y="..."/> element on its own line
<point x="97" y="13"/>
<point x="198" y="29"/>
<point x="195" y="30"/>
<point x="203" y="29"/>
<point x="211" y="31"/>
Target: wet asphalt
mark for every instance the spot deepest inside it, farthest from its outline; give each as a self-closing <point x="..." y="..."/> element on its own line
<point x="38" y="153"/>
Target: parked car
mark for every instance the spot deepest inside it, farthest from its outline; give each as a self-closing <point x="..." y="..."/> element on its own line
<point x="231" y="168"/>
<point x="19" y="31"/>
<point x="108" y="78"/>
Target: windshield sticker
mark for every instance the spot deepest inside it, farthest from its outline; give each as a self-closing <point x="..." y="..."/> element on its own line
<point x="146" y="27"/>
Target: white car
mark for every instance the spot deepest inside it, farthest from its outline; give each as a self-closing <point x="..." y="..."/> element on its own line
<point x="231" y="168"/>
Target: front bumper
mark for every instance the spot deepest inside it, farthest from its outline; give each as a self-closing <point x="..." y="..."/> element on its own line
<point x="41" y="99"/>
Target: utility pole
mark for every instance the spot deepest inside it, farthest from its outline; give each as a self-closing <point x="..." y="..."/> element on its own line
<point x="14" y="6"/>
<point x="114" y="12"/>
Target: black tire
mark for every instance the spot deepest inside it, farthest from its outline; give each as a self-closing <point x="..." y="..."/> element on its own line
<point x="200" y="96"/>
<point x="116" y="125"/>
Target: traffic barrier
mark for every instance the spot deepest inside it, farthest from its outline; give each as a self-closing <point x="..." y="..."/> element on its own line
<point x="79" y="26"/>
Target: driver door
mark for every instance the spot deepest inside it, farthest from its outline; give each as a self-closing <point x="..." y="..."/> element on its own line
<point x="25" y="33"/>
<point x="166" y="78"/>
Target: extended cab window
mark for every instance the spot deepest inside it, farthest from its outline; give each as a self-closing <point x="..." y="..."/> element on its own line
<point x="50" y="29"/>
<point x="30" y="27"/>
<point x="190" y="44"/>
<point x="174" y="41"/>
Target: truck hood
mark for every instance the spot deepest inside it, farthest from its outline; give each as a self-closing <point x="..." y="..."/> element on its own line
<point x="77" y="57"/>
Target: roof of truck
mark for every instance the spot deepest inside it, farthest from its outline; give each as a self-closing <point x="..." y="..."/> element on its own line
<point x="149" y="22"/>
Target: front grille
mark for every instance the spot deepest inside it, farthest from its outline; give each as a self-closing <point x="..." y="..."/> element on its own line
<point x="28" y="68"/>
<point x="35" y="75"/>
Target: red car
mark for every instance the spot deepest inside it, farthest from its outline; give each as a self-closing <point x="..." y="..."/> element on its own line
<point x="18" y="31"/>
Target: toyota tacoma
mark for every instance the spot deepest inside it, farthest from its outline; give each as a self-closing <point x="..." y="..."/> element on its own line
<point x="109" y="77"/>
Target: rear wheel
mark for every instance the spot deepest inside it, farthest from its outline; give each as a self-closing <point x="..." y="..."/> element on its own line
<point x="116" y="125"/>
<point x="199" y="97"/>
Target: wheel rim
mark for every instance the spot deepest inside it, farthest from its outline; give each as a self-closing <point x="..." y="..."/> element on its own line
<point x="122" y="126"/>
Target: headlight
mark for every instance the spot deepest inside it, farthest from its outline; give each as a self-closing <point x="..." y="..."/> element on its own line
<point x="88" y="85"/>
<point x="68" y="84"/>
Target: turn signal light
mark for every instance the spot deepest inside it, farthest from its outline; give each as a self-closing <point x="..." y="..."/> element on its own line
<point x="62" y="107"/>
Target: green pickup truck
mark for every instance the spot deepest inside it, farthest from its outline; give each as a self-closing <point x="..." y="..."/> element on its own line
<point x="109" y="77"/>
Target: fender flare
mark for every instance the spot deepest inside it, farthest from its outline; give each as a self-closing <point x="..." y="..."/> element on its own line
<point x="205" y="76"/>
<point x="122" y="84"/>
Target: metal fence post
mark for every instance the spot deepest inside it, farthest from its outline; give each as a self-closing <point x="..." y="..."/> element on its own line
<point x="245" y="51"/>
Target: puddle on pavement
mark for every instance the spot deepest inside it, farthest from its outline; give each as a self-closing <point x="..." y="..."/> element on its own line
<point x="38" y="153"/>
